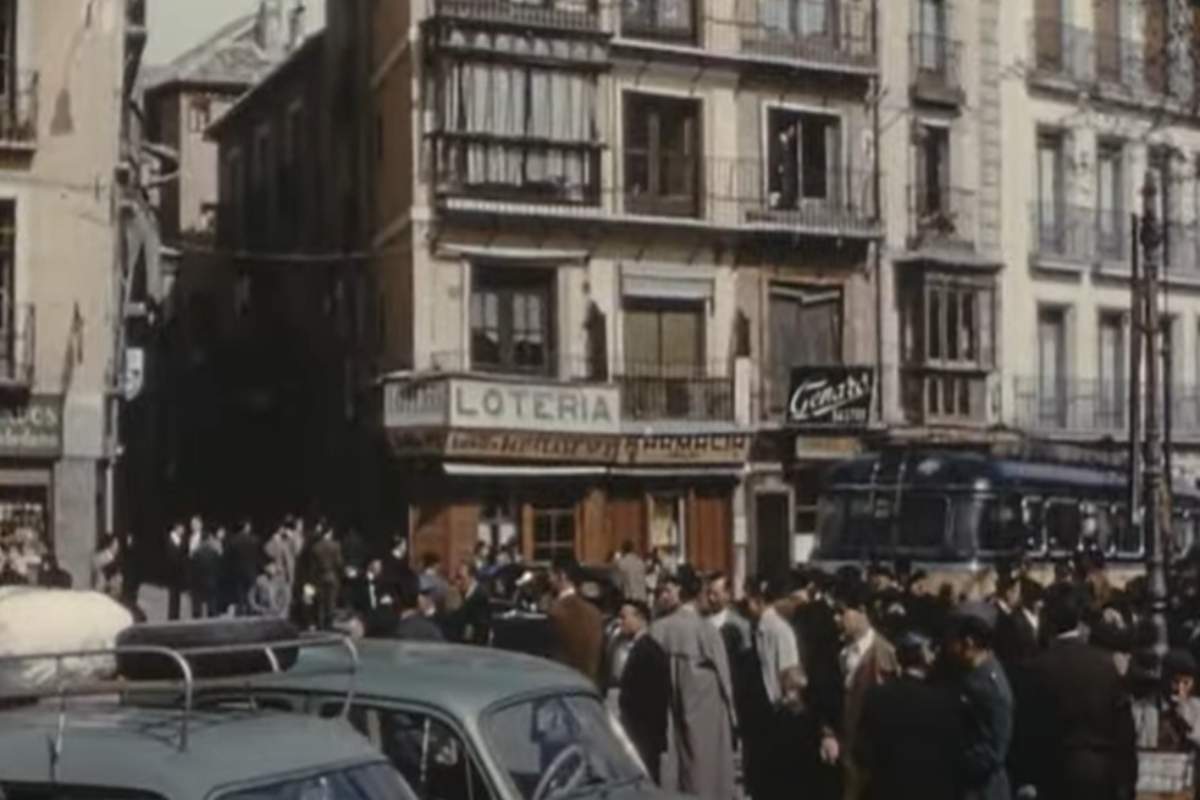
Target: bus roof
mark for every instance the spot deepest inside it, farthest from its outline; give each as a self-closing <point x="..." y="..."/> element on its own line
<point x="941" y="470"/>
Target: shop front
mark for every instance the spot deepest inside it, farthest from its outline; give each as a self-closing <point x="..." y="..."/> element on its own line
<point x="552" y="470"/>
<point x="30" y="444"/>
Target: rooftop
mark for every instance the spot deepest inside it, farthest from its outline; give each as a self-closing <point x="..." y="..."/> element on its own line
<point x="106" y="745"/>
<point x="233" y="57"/>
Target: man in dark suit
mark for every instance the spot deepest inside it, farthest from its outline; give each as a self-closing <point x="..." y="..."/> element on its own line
<point x="411" y="624"/>
<point x="576" y="624"/>
<point x="176" y="569"/>
<point x="327" y="569"/>
<point x="644" y="688"/>
<point x="1016" y="635"/>
<point x="473" y="619"/>
<point x="244" y="555"/>
<point x="1076" y="736"/>
<point x="911" y="732"/>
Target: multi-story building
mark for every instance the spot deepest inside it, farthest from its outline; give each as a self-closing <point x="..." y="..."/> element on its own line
<point x="604" y="240"/>
<point x="74" y="236"/>
<point x="1097" y="95"/>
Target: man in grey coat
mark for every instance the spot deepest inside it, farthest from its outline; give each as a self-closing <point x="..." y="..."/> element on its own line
<point x="701" y="717"/>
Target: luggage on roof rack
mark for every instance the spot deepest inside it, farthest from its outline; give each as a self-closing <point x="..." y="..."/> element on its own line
<point x="193" y="639"/>
<point x="179" y="680"/>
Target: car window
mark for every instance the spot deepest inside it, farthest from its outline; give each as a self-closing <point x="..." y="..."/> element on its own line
<point x="555" y="746"/>
<point x="430" y="755"/>
<point x="368" y="782"/>
<point x="26" y="791"/>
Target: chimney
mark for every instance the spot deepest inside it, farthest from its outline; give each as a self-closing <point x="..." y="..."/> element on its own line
<point x="269" y="30"/>
<point x="296" y="25"/>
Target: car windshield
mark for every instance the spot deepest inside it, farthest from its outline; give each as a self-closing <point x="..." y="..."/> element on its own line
<point x="554" y="747"/>
<point x="368" y="782"/>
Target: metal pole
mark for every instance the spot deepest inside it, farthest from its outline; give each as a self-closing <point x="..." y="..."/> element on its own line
<point x="1151" y="236"/>
<point x="1136" y="327"/>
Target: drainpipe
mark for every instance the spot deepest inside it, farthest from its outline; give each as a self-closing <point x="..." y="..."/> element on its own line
<point x="877" y="199"/>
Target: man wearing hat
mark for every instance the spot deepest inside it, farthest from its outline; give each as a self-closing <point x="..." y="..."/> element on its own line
<point x="1075" y="727"/>
<point x="987" y="702"/>
<point x="911" y="731"/>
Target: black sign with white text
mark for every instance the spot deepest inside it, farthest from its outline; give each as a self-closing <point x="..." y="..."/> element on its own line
<point x="831" y="396"/>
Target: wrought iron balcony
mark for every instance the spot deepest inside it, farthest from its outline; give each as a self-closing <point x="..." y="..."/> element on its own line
<point x="1069" y="57"/>
<point x="18" y="109"/>
<point x="936" y="67"/>
<point x="563" y="181"/>
<point x="1062" y="232"/>
<point x="808" y="31"/>
<point x="1112" y="235"/>
<point x="665" y="392"/>
<point x="1071" y="406"/>
<point x="941" y="215"/>
<point x="666" y="20"/>
<point x="561" y="15"/>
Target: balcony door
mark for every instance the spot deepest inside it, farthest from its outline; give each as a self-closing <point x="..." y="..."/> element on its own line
<point x="9" y="321"/>
<point x="1112" y="373"/>
<point x="800" y="18"/>
<point x="803" y="159"/>
<point x="1110" y="201"/>
<point x="1107" y="16"/>
<point x="933" y="176"/>
<point x="664" y="358"/>
<point x="1155" y="37"/>
<point x="662" y="155"/>
<point x="511" y="320"/>
<point x="806" y="330"/>
<point x="1049" y="34"/>
<point x="932" y="38"/>
<point x="1052" y="366"/>
<point x="1051" y="193"/>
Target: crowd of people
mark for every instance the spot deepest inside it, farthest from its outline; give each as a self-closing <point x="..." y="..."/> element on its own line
<point x="26" y="561"/>
<point x="878" y="684"/>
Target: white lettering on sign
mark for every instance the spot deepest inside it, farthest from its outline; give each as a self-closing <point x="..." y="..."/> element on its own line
<point x="534" y="407"/>
<point x="845" y="398"/>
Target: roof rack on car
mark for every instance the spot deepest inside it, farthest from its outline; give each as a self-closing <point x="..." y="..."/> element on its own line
<point x="181" y="660"/>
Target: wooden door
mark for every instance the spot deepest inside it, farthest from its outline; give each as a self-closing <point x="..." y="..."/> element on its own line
<point x="710" y="530"/>
<point x="626" y="519"/>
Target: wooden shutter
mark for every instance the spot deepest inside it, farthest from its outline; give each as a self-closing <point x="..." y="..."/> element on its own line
<point x="642" y="341"/>
<point x="710" y="530"/>
<point x="683" y="340"/>
<point x="1049" y="33"/>
<point x="1155" y="37"/>
<point x="1108" y="43"/>
<point x="626" y="519"/>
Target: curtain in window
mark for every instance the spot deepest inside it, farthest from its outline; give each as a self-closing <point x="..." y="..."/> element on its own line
<point x="777" y="15"/>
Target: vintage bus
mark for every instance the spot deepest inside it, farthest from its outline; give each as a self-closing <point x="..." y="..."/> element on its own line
<point x="957" y="513"/>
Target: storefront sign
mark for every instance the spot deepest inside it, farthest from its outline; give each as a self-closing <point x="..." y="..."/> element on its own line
<point x="560" y="448"/>
<point x="534" y="407"/>
<point x="32" y="429"/>
<point x="464" y="403"/>
<point x="831" y="396"/>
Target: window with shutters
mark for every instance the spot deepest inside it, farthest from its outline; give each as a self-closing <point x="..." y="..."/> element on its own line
<point x="947" y="341"/>
<point x="1050" y="36"/>
<point x="663" y="370"/>
<point x="511" y="320"/>
<point x="804" y="158"/>
<point x="1051" y="202"/>
<point x="1155" y="37"/>
<point x="1110" y="201"/>
<point x="1109" y="44"/>
<point x="1112" y="370"/>
<point x="806" y="331"/>
<point x="663" y="170"/>
<point x="1052" y="366"/>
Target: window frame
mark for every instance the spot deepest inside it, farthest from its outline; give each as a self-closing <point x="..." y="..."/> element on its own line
<point x="644" y="114"/>
<point x="555" y="514"/>
<point x="506" y="283"/>
<point x="835" y="170"/>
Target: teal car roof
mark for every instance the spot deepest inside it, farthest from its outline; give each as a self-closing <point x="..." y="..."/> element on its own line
<point x="460" y="679"/>
<point x="137" y="749"/>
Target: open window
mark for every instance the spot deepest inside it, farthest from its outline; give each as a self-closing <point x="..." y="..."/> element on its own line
<point x="804" y="158"/>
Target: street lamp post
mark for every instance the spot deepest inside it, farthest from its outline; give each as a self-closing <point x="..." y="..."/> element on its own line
<point x="1152" y="474"/>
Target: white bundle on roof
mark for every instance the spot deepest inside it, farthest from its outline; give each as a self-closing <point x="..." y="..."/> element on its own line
<point x="36" y="621"/>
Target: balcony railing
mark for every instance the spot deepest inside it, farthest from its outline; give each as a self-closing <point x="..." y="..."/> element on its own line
<point x="808" y="31"/>
<point x="1114" y="64"/>
<point x="666" y="20"/>
<point x="657" y="187"/>
<point x="1112" y="235"/>
<point x="18" y="330"/>
<point x="662" y="392"/>
<point x="941" y="215"/>
<point x="933" y="396"/>
<point x="936" y="68"/>
<point x="568" y="15"/>
<point x="1062" y="232"/>
<point x="1093" y="407"/>
<point x="18" y="108"/>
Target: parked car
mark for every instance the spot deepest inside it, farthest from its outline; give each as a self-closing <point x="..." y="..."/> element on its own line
<point x="469" y="722"/>
<point x="55" y="748"/>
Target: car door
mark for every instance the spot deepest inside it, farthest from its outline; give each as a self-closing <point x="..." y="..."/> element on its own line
<point x="428" y="750"/>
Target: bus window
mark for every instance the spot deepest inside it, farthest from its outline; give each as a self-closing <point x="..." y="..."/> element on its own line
<point x="923" y="523"/>
<point x="854" y="525"/>
<point x="1002" y="526"/>
<point x="1063" y="525"/>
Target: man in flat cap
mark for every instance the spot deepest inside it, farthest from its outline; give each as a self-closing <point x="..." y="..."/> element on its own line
<point x="986" y="701"/>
